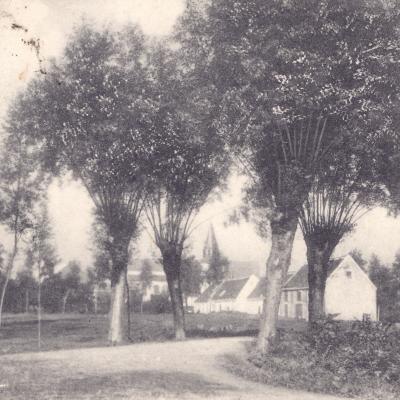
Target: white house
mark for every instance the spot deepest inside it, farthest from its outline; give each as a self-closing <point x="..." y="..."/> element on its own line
<point x="349" y="294"/>
<point x="229" y="295"/>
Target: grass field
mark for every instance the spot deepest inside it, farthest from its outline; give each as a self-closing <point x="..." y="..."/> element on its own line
<point x="67" y="331"/>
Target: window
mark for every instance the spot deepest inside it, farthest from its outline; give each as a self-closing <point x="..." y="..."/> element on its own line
<point x="286" y="311"/>
<point x="348" y="274"/>
<point x="286" y="296"/>
<point x="299" y="296"/>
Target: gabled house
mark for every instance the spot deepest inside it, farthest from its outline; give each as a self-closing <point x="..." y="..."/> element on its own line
<point x="349" y="294"/>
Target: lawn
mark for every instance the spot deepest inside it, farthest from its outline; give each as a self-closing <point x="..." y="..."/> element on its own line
<point x="67" y="331"/>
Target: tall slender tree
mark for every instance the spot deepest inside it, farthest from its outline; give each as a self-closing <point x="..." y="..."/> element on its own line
<point x="22" y="185"/>
<point x="42" y="255"/>
<point x="189" y="166"/>
<point x="339" y="197"/>
<point x="89" y="115"/>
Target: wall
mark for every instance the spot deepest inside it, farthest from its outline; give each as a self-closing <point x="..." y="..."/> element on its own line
<point x="350" y="293"/>
<point x="294" y="304"/>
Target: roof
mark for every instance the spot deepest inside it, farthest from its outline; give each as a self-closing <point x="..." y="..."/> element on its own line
<point x="259" y="290"/>
<point x="300" y="278"/>
<point x="229" y="289"/>
<point x="207" y="294"/>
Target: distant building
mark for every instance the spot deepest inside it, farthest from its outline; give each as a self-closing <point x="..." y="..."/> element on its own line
<point x="349" y="294"/>
<point x="158" y="284"/>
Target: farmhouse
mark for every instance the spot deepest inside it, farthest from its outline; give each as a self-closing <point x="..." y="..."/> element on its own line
<point x="349" y="294"/>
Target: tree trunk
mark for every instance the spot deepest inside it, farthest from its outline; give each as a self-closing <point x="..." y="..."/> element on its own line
<point x="282" y="237"/>
<point x="39" y="313"/>
<point x="10" y="267"/>
<point x="128" y="302"/>
<point x="318" y="256"/>
<point x="172" y="269"/>
<point x="175" y="292"/>
<point x="64" y="300"/>
<point x="118" y="331"/>
<point x="26" y="301"/>
<point x="119" y="328"/>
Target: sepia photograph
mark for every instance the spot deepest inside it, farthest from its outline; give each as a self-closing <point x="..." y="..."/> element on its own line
<point x="200" y="199"/>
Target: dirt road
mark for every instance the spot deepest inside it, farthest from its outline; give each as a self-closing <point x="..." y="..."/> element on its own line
<point x="173" y="370"/>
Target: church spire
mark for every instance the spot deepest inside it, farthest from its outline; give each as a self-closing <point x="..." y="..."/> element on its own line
<point x="210" y="245"/>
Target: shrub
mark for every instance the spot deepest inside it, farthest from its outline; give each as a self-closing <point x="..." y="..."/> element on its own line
<point x="355" y="359"/>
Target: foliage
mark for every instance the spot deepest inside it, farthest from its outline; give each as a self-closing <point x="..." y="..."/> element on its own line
<point x="217" y="266"/>
<point x="267" y="59"/>
<point x="354" y="359"/>
<point x="191" y="275"/>
<point x="387" y="281"/>
<point x="189" y="161"/>
<point x="22" y="185"/>
<point x="41" y="251"/>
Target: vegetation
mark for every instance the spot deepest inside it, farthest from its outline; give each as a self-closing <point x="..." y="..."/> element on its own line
<point x="359" y="359"/>
<point x="189" y="165"/>
<point x="95" y="131"/>
<point x="387" y="280"/>
<point x="66" y="331"/>
<point x="22" y="185"/>
<point x="287" y="101"/>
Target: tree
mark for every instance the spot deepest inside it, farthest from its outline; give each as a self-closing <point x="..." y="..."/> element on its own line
<point x="338" y="199"/>
<point x="359" y="258"/>
<point x="89" y="115"/>
<point x="192" y="277"/>
<point x="22" y="185"/>
<point x="381" y="276"/>
<point x="43" y="256"/>
<point x="190" y="165"/>
<point x="286" y="97"/>
<point x="72" y="282"/>
<point x="27" y="286"/>
<point x="145" y="278"/>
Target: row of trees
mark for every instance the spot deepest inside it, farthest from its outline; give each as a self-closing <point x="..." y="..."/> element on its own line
<point x="60" y="292"/>
<point x="302" y="95"/>
<point x="309" y="104"/>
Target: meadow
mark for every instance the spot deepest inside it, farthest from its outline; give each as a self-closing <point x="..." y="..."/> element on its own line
<point x="19" y="332"/>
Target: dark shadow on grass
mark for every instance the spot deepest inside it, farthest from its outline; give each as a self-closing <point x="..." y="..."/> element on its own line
<point x="154" y="381"/>
<point x="50" y="380"/>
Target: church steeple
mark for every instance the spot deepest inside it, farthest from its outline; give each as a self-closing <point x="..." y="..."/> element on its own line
<point x="210" y="245"/>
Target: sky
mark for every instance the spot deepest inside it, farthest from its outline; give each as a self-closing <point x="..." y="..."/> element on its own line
<point x="70" y="208"/>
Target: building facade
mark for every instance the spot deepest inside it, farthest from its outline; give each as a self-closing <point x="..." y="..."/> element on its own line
<point x="349" y="294"/>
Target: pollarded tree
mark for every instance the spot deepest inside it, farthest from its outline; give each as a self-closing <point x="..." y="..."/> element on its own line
<point x="291" y="74"/>
<point x="89" y="113"/>
<point x="339" y="197"/>
<point x="190" y="164"/>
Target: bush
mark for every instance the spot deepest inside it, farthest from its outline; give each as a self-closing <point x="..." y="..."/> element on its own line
<point x="158" y="304"/>
<point x="354" y="359"/>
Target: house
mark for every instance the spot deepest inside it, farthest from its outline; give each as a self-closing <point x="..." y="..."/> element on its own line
<point x="157" y="284"/>
<point x="229" y="295"/>
<point x="349" y="294"/>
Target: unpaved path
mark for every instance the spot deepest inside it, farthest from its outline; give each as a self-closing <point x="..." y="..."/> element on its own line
<point x="183" y="370"/>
